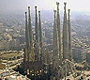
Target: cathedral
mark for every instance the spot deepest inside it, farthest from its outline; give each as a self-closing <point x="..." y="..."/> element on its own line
<point x="37" y="64"/>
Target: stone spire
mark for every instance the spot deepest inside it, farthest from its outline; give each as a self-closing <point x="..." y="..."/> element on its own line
<point x="26" y="29"/>
<point x="26" y="37"/>
<point x="69" y="36"/>
<point x="31" y="50"/>
<point x="29" y="26"/>
<point x="37" y="43"/>
<point x="65" y="36"/>
<point x="26" y="50"/>
<point x="40" y="34"/>
<point x="59" y="33"/>
<point x="36" y="25"/>
<point x="55" y="44"/>
<point x="54" y="34"/>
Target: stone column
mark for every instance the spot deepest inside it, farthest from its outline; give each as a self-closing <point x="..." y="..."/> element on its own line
<point x="55" y="44"/>
<point x="27" y="37"/>
<point x="59" y="33"/>
<point x="30" y="27"/>
<point x="25" y="53"/>
<point x="65" y="36"/>
<point x="37" y="46"/>
<point x="36" y="24"/>
<point x="40" y="35"/>
<point x="69" y="35"/>
<point x="26" y="58"/>
<point x="31" y="50"/>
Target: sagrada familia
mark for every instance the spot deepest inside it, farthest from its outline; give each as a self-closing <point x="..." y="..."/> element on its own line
<point x="37" y="64"/>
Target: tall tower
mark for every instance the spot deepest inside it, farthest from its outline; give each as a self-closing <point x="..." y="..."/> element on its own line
<point x="36" y="34"/>
<point x="26" y="36"/>
<point x="37" y="43"/>
<point x="65" y="36"/>
<point x="36" y="25"/>
<point x="59" y="33"/>
<point x="26" y="48"/>
<point x="40" y="35"/>
<point x="55" y="43"/>
<point x="31" y="50"/>
<point x="69" y="35"/>
<point x="30" y="26"/>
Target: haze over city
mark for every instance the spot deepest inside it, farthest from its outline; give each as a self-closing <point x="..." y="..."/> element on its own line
<point x="20" y="5"/>
<point x="44" y="40"/>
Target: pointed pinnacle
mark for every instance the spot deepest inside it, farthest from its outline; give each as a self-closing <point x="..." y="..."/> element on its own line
<point x="65" y="3"/>
<point x="35" y="7"/>
<point x="68" y="10"/>
<point x="39" y="12"/>
<point x="54" y="11"/>
<point x="57" y="3"/>
<point x="28" y="7"/>
<point x="25" y="13"/>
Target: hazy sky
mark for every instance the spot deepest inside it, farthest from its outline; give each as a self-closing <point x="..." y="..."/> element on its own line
<point x="21" y="5"/>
